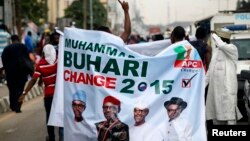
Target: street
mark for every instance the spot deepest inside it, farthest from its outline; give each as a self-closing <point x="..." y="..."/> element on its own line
<point x="26" y="126"/>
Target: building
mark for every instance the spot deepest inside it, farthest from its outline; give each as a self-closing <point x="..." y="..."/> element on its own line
<point x="7" y="14"/>
<point x="56" y="9"/>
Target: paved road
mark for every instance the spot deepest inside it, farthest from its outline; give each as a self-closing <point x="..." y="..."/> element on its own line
<point x="26" y="126"/>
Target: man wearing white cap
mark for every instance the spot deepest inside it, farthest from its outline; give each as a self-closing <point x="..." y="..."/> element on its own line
<point x="46" y="69"/>
<point x="140" y="131"/>
<point x="79" y="124"/>
<point x="221" y="103"/>
<point x="79" y="105"/>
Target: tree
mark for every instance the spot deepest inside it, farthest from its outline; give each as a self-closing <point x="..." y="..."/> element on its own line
<point x="243" y="5"/>
<point x="75" y="12"/>
<point x="32" y="10"/>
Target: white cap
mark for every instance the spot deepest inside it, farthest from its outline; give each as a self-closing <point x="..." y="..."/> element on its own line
<point x="49" y="53"/>
<point x="141" y="105"/>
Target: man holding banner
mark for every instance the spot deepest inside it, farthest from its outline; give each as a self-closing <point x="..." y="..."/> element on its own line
<point x="112" y="129"/>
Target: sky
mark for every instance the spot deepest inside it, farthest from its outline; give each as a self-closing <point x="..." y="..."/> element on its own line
<point x="168" y="11"/>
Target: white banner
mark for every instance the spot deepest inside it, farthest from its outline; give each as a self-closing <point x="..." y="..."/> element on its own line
<point x="107" y="86"/>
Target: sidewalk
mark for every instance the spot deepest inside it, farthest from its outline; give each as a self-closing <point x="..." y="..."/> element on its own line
<point x="4" y="91"/>
<point x="4" y="97"/>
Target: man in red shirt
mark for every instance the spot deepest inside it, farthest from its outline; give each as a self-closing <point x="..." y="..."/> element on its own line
<point x="47" y="69"/>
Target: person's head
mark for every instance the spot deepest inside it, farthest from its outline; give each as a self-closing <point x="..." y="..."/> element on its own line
<point x="29" y="33"/>
<point x="174" y="107"/>
<point x="111" y="107"/>
<point x="201" y="33"/>
<point x="141" y="110"/>
<point x="49" y="53"/>
<point x="54" y="38"/>
<point x="72" y="24"/>
<point x="3" y="27"/>
<point x="79" y="105"/>
<point x="178" y="34"/>
<point x="14" y="39"/>
<point x="157" y="37"/>
<point x="104" y="28"/>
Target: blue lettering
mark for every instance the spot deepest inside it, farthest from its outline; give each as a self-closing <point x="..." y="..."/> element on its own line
<point x="242" y="16"/>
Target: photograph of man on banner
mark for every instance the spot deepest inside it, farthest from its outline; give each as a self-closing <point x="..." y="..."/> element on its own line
<point x="177" y="127"/>
<point x="141" y="129"/>
<point x="112" y="129"/>
<point x="78" y="108"/>
<point x="79" y="105"/>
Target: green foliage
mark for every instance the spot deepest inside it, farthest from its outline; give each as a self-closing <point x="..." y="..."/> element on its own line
<point x="75" y="12"/>
<point x="243" y="5"/>
<point x="33" y="9"/>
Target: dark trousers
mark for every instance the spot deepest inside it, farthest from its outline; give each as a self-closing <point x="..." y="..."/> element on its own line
<point x="50" y="129"/>
<point x="15" y="91"/>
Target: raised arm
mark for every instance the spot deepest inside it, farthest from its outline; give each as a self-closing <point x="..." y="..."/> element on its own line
<point x="127" y="23"/>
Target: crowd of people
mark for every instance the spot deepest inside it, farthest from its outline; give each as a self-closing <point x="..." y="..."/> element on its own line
<point x="39" y="61"/>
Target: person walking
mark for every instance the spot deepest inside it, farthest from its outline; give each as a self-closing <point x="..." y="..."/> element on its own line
<point x="15" y="58"/>
<point x="4" y="41"/>
<point x="47" y="69"/>
<point x="29" y="42"/>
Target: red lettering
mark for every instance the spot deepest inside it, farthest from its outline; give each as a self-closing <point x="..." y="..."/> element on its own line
<point x="98" y="80"/>
<point x="90" y="79"/>
<point x="73" y="76"/>
<point x="81" y="78"/>
<point x="66" y="75"/>
<point x="110" y="82"/>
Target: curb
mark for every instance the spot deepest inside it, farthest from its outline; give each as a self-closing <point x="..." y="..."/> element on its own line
<point x="34" y="92"/>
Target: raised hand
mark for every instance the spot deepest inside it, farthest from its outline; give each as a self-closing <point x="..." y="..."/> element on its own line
<point x="124" y="5"/>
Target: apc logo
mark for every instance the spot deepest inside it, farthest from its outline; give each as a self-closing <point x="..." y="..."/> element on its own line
<point x="184" y="56"/>
<point x="187" y="64"/>
<point x="186" y="83"/>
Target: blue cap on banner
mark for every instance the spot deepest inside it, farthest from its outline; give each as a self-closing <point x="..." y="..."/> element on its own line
<point x="80" y="95"/>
